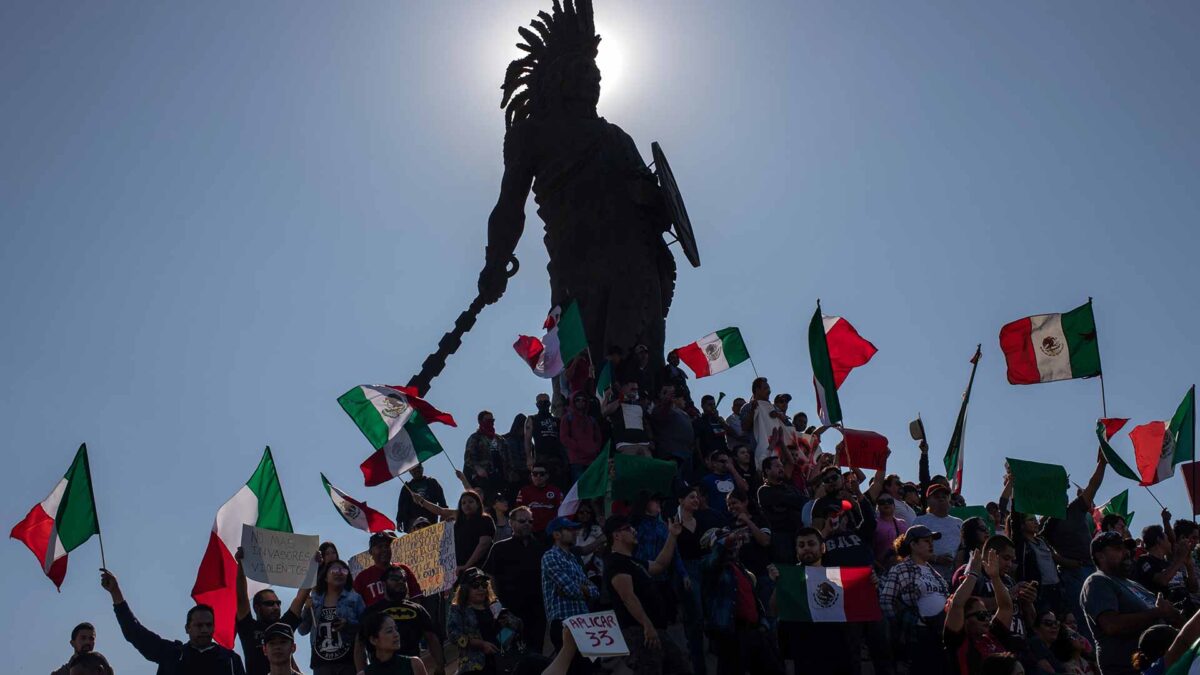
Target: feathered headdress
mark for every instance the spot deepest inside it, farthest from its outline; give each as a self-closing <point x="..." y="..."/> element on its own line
<point x="567" y="31"/>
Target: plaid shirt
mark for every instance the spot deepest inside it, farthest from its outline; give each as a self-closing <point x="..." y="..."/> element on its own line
<point x="563" y="582"/>
<point x="899" y="590"/>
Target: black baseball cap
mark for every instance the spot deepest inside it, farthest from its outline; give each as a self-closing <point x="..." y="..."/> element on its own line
<point x="278" y="629"/>
<point x="381" y="538"/>
<point x="921" y="532"/>
<point x="614" y="523"/>
<point x="1105" y="539"/>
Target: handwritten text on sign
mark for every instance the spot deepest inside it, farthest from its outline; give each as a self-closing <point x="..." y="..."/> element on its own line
<point x="279" y="558"/>
<point x="429" y="552"/>
<point x="597" y="634"/>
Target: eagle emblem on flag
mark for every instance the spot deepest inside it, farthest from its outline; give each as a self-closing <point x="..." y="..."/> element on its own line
<point x="1052" y="346"/>
<point x="394" y="407"/>
<point x="350" y="511"/>
<point x="825" y="595"/>
<point x="713" y="350"/>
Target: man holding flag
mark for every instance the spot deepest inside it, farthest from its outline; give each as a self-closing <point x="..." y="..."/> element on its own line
<point x="1071" y="538"/>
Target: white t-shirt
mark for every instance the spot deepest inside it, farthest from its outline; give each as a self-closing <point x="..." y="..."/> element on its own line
<point x="932" y="600"/>
<point x="905" y="512"/>
<point x="764" y="425"/>
<point x="949" y="526"/>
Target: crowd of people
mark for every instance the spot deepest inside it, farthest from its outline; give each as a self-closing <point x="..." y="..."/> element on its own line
<point x="692" y="571"/>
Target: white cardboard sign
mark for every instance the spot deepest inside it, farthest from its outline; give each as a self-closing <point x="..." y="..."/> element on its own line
<point x="597" y="634"/>
<point x="279" y="558"/>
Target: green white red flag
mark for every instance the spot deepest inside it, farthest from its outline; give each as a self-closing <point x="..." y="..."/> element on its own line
<point x="1119" y="505"/>
<point x="715" y="353"/>
<point x="1106" y="428"/>
<point x="396" y="423"/>
<point x="633" y="474"/>
<point x="61" y="522"/>
<point x="953" y="460"/>
<point x="563" y="341"/>
<point x="1051" y="347"/>
<point x="835" y="349"/>
<point x="826" y="594"/>
<point x="1159" y="446"/>
<point x="259" y="503"/>
<point x="356" y="514"/>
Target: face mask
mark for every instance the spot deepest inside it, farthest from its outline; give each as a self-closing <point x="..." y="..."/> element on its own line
<point x="488" y="427"/>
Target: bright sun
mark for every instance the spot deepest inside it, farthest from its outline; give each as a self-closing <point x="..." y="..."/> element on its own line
<point x="611" y="60"/>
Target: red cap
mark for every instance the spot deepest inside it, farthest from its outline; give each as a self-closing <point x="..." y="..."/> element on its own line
<point x="936" y="487"/>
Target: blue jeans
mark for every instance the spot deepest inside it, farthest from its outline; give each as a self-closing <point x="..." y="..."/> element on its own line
<point x="690" y="605"/>
<point x="1071" y="582"/>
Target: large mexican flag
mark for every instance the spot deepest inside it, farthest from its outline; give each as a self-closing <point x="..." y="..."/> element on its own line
<point x="396" y="423"/>
<point x="259" y="503"/>
<point x="61" y="522"/>
<point x="1159" y="446"/>
<point x="1051" y="347"/>
<point x="827" y="594"/>
<point x="715" y="353"/>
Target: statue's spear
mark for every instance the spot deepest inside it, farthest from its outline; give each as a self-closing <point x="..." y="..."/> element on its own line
<point x="452" y="340"/>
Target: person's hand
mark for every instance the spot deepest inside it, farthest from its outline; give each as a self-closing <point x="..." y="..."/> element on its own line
<point x="489" y="648"/>
<point x="108" y="581"/>
<point x="675" y="528"/>
<point x="974" y="562"/>
<point x="991" y="564"/>
<point x="1165" y="608"/>
<point x="239" y="555"/>
<point x="1025" y="592"/>
<point x="924" y="447"/>
<point x="460" y="475"/>
<point x="651" y="637"/>
<point x="458" y="570"/>
<point x="1166" y="515"/>
<point x="773" y="572"/>
<point x="744" y="519"/>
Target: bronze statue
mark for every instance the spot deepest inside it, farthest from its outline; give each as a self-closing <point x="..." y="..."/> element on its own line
<point x="603" y="208"/>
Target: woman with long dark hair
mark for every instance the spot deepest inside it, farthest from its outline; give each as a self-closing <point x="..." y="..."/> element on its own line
<point x="379" y="631"/>
<point x="473" y="528"/>
<point x="478" y="624"/>
<point x="332" y="618"/>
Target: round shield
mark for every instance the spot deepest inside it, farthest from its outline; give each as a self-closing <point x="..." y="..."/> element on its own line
<point x="681" y="225"/>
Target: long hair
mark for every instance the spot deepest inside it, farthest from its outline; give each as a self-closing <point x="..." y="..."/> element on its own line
<point x="480" y="513"/>
<point x="322" y="586"/>
<point x="463" y="589"/>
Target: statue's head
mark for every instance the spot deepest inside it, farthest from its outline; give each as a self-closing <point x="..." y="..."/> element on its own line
<point x="558" y="75"/>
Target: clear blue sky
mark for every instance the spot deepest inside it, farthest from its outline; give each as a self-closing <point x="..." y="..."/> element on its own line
<point x="217" y="217"/>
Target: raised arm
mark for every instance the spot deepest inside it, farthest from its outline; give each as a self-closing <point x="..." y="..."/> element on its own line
<point x="958" y="601"/>
<point x="442" y="511"/>
<point x="660" y="564"/>
<point x="147" y="642"/>
<point x="1089" y="492"/>
<point x="1004" y="603"/>
<point x="243" y="593"/>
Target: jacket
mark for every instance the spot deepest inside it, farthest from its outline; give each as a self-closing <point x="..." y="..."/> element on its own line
<point x="172" y="656"/>
<point x="461" y="628"/>
<point x="580" y="435"/>
<point x="720" y="591"/>
<point x="350" y="606"/>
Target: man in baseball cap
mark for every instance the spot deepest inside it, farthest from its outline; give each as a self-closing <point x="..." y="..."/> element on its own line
<point x="566" y="590"/>
<point x="278" y="645"/>
<point x="939" y="520"/>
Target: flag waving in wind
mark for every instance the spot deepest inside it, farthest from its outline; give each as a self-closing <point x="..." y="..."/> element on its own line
<point x="259" y="503"/>
<point x="1159" y="446"/>
<point x="355" y="513"/>
<point x="1051" y="347"/>
<point x="954" y="452"/>
<point x="715" y="353"/>
<point x="563" y="341"/>
<point x="396" y="423"/>
<point x="61" y="522"/>
<point x="835" y="349"/>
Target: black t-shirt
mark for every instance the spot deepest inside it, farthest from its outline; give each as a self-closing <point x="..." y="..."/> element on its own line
<point x="1144" y="570"/>
<point x="852" y="548"/>
<point x="412" y="622"/>
<point x="755" y="557"/>
<point x="643" y="587"/>
<point x="331" y="646"/>
<point x="546" y="443"/>
<point x="781" y="504"/>
<point x="468" y="532"/>
<point x="250" y="633"/>
<point x="397" y="665"/>
<point x="687" y="546"/>
<point x="516" y="567"/>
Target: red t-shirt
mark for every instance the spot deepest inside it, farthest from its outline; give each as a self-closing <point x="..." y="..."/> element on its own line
<point x="371" y="586"/>
<point x="744" y="607"/>
<point x="543" y="502"/>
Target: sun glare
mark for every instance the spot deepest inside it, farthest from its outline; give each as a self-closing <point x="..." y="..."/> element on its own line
<point x="611" y="60"/>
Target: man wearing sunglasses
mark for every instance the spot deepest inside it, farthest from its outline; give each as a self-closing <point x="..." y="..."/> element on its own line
<point x="515" y="565"/>
<point x="267" y="607"/>
<point x="543" y="499"/>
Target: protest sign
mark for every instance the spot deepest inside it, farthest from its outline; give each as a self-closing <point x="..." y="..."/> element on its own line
<point x="428" y="552"/>
<point x="597" y="635"/>
<point x="279" y="558"/>
<point x="862" y="449"/>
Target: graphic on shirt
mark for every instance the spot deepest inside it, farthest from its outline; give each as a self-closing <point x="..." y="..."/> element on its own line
<point x="329" y="645"/>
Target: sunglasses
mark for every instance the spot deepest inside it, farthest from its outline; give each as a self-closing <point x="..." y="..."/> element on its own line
<point x="479" y="583"/>
<point x="271" y="603"/>
<point x="537" y="473"/>
<point x="981" y="615"/>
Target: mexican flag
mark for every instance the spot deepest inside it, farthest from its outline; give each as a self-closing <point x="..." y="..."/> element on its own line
<point x="356" y="514"/>
<point x="61" y="522"/>
<point x="1188" y="663"/>
<point x="633" y="475"/>
<point x="826" y="594"/>
<point x="259" y="503"/>
<point x="953" y="460"/>
<point x="1051" y="347"/>
<point x="396" y="422"/>
<point x="1106" y="428"/>
<point x="563" y="341"/>
<point x="1119" y="505"/>
<point x="1159" y="446"/>
<point x="715" y="352"/>
<point x="835" y="349"/>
